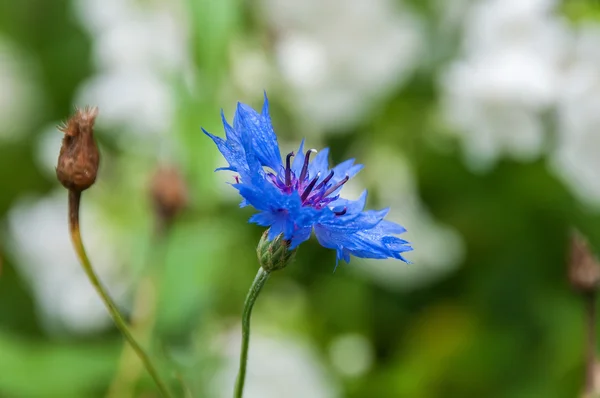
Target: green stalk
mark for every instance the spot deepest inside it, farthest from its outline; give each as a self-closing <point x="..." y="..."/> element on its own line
<point x="590" y="378"/>
<point x="74" y="202"/>
<point x="255" y="288"/>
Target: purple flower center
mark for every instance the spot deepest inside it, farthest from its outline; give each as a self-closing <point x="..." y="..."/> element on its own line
<point x="312" y="192"/>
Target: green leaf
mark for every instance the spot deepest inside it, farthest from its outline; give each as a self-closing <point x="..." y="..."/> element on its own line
<point x="49" y="369"/>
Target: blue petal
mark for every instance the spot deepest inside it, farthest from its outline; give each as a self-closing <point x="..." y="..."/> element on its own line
<point x="305" y="216"/>
<point x="391" y="227"/>
<point x="248" y="122"/>
<point x="341" y="254"/>
<point x="282" y="212"/>
<point x="234" y="154"/>
<point x="301" y="235"/>
<point x="256" y="188"/>
<point x="231" y="134"/>
<point x="279" y="222"/>
<point x="347" y="168"/>
<point x="261" y="196"/>
<point x="320" y="164"/>
<point x="352" y="206"/>
<point x="264" y="218"/>
<point x="329" y="239"/>
<point x="375" y="242"/>
<point x="356" y="222"/>
<point x="270" y="137"/>
<point x="282" y="225"/>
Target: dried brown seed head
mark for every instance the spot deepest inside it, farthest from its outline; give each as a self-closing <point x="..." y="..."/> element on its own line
<point x="584" y="270"/>
<point x="79" y="157"/>
<point x="169" y="192"/>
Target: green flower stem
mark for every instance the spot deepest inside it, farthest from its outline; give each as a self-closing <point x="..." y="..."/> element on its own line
<point x="590" y="379"/>
<point x="142" y="322"/>
<point x="143" y="316"/>
<point x="74" y="201"/>
<point x="255" y="288"/>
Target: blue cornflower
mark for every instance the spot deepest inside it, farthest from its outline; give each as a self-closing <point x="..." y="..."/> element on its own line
<point x="295" y="196"/>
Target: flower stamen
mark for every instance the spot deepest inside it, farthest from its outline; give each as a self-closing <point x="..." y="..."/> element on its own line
<point x="305" y="166"/>
<point x="288" y="169"/>
<point x="325" y="180"/>
<point x="336" y="186"/>
<point x="341" y="212"/>
<point x="309" y="188"/>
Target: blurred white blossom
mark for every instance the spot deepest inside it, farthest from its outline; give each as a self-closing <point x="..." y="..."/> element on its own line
<point x="341" y="67"/>
<point x="137" y="48"/>
<point x="507" y="76"/>
<point x="251" y="70"/>
<point x="47" y="150"/>
<point x="575" y="157"/>
<point x="140" y="100"/>
<point x="520" y="61"/>
<point x="351" y="354"/>
<point x="278" y="366"/>
<point x="45" y="256"/>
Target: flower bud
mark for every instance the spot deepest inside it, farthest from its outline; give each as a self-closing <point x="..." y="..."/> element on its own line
<point x="169" y="193"/>
<point x="79" y="158"/>
<point x="584" y="270"/>
<point x="276" y="254"/>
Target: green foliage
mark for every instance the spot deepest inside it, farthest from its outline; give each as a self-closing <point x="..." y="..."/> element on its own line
<point x="53" y="369"/>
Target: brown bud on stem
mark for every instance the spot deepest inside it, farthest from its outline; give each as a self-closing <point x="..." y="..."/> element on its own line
<point x="79" y="156"/>
<point x="169" y="193"/>
<point x="584" y="269"/>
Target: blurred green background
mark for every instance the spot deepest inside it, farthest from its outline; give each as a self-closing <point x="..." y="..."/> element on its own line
<point x="477" y="122"/>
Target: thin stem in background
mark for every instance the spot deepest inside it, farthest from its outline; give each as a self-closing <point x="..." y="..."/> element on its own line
<point x="143" y="316"/>
<point x="74" y="202"/>
<point x="255" y="288"/>
<point x="142" y="323"/>
<point x="590" y="365"/>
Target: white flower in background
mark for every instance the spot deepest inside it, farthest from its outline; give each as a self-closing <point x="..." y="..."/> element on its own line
<point x="139" y="100"/>
<point x="47" y="150"/>
<point x="18" y="92"/>
<point x="342" y="56"/>
<point x="45" y="256"/>
<point x="351" y="354"/>
<point x="251" y="71"/>
<point x="575" y="157"/>
<point x="507" y="76"/>
<point x="277" y="367"/>
<point x="137" y="48"/>
<point x="444" y="245"/>
<point x="496" y="24"/>
<point x="520" y="60"/>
